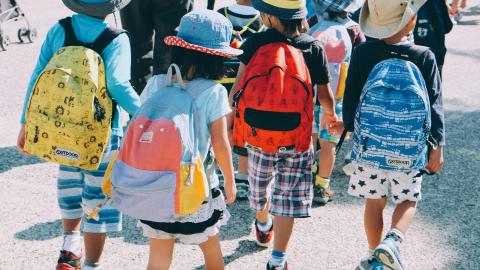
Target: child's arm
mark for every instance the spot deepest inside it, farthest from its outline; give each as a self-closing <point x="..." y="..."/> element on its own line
<point x="434" y="87"/>
<point x="223" y="154"/>
<point x="326" y="99"/>
<point x="117" y="57"/>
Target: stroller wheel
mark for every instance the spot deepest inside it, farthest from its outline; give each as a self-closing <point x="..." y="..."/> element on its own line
<point x="4" y="42"/>
<point x="32" y="35"/>
<point x="22" y="32"/>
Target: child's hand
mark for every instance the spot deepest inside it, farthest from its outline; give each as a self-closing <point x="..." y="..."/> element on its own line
<point x="328" y="120"/>
<point x="435" y="160"/>
<point x="230" y="191"/>
<point x="336" y="128"/>
<point x="21" y="141"/>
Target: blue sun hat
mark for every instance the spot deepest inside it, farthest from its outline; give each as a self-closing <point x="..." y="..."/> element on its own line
<point x="283" y="9"/>
<point x="205" y="31"/>
<point x="95" y="8"/>
<point x="322" y="6"/>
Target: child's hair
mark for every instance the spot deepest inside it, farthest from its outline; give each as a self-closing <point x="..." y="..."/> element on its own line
<point x="206" y="66"/>
<point x="291" y="26"/>
<point x="333" y="15"/>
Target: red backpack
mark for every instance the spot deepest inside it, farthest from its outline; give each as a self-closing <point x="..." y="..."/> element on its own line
<point x="273" y="108"/>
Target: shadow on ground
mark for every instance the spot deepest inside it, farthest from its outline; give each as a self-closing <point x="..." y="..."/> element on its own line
<point x="11" y="158"/>
<point x="450" y="200"/>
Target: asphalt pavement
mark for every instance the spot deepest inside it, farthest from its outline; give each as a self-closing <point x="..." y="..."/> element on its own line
<point x="445" y="234"/>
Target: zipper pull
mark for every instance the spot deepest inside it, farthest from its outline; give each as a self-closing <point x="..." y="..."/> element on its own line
<point x="254" y="132"/>
<point x="237" y="113"/>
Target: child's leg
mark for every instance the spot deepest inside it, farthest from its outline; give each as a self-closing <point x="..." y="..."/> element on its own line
<point x="373" y="221"/>
<point x="69" y="192"/>
<point x="161" y="254"/>
<point x="283" y="227"/>
<point x="241" y="178"/>
<point x="403" y="216"/>
<point x="327" y="158"/>
<point x="212" y="252"/>
<point x="260" y="175"/>
<point x="109" y="219"/>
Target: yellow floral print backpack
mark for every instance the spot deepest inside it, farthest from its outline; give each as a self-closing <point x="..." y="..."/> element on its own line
<point x="69" y="115"/>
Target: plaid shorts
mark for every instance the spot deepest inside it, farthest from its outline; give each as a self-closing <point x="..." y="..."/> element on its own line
<point x="283" y="179"/>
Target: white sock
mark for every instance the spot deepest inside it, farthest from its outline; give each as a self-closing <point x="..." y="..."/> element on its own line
<point x="265" y="227"/>
<point x="91" y="266"/>
<point x="370" y="253"/>
<point x="72" y="242"/>
<point x="395" y="235"/>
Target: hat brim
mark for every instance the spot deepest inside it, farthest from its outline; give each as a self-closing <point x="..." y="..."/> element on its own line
<point x="382" y="31"/>
<point x="282" y="13"/>
<point x="95" y="10"/>
<point x="179" y="42"/>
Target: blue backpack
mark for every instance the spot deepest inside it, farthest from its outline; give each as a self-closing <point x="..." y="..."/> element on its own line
<point x="392" y="121"/>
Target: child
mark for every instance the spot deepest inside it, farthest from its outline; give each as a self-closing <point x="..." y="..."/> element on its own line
<point x="433" y="23"/>
<point x="246" y="21"/>
<point x="200" y="58"/>
<point x="332" y="31"/>
<point x="366" y="181"/>
<point x="77" y="187"/>
<point x="290" y="196"/>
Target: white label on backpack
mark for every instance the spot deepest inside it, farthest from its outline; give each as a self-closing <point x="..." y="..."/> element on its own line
<point x="400" y="163"/>
<point x="72" y="155"/>
<point x="147" y="137"/>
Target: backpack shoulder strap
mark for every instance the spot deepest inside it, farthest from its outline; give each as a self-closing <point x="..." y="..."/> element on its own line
<point x="70" y="37"/>
<point x="105" y="38"/>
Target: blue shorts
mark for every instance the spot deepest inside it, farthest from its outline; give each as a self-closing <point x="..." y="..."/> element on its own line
<point x="76" y="187"/>
<point x="323" y="131"/>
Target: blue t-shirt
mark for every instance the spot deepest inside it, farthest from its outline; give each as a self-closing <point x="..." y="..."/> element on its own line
<point x="116" y="56"/>
<point x="212" y="104"/>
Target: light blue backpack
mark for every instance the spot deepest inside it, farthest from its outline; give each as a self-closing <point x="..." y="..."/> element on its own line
<point x="392" y="121"/>
<point x="159" y="173"/>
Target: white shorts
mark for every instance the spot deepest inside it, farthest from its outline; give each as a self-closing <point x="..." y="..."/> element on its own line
<point x="370" y="183"/>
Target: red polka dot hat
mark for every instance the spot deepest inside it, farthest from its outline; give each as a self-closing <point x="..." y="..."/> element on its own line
<point x="205" y="31"/>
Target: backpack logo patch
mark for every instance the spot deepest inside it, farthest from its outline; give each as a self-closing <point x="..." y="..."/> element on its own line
<point x="72" y="155"/>
<point x="147" y="137"/>
<point x="400" y="163"/>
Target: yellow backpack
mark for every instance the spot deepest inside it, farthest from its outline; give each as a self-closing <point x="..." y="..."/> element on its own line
<point x="69" y="114"/>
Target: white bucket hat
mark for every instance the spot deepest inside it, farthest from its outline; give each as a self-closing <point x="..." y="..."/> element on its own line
<point x="384" y="18"/>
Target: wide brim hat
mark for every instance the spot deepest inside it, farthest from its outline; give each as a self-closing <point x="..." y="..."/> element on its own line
<point x="95" y="8"/>
<point x="384" y="18"/>
<point x="283" y="9"/>
<point x="322" y="6"/>
<point x="205" y="31"/>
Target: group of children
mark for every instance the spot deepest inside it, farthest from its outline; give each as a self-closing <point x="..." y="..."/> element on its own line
<point x="282" y="183"/>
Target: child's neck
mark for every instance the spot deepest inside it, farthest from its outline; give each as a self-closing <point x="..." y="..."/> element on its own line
<point x="395" y="39"/>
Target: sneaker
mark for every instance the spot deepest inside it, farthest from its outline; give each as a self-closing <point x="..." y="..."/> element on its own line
<point x="271" y="267"/>
<point x="376" y="265"/>
<point x="242" y="189"/>
<point x="321" y="195"/>
<point x="263" y="238"/>
<point x="388" y="254"/>
<point x="69" y="261"/>
<point x="369" y="263"/>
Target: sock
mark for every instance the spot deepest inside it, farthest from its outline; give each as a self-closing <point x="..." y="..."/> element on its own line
<point x="278" y="259"/>
<point x="265" y="227"/>
<point x="91" y="266"/>
<point x="396" y="236"/>
<point x="323" y="182"/>
<point x="370" y="253"/>
<point x="72" y="241"/>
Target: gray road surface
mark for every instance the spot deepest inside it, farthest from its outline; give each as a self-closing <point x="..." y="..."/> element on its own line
<point x="445" y="234"/>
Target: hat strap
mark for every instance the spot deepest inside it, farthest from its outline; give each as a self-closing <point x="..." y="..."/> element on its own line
<point x="178" y="76"/>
